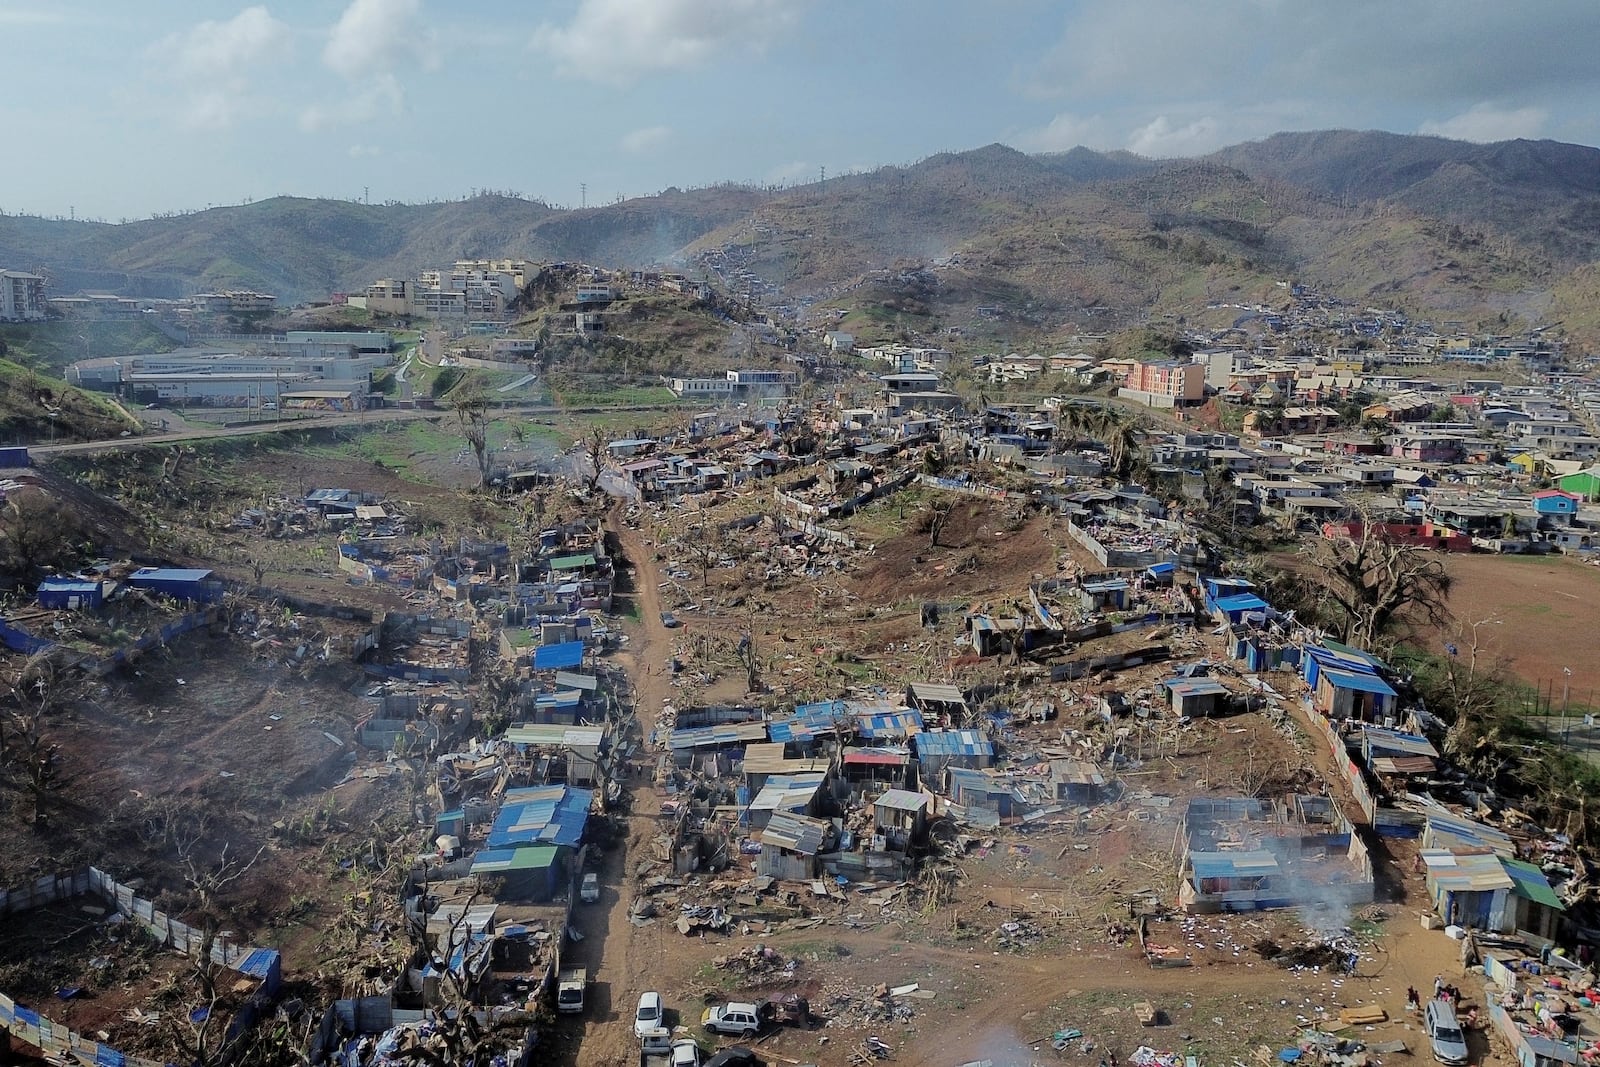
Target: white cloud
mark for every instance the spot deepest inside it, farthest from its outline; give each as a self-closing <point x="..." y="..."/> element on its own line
<point x="213" y="60"/>
<point x="1162" y="138"/>
<point x="644" y="140"/>
<point x="1485" y="122"/>
<point x="618" y="42"/>
<point x="1065" y="131"/>
<point x="380" y="96"/>
<point x="374" y="37"/>
<point x="371" y="45"/>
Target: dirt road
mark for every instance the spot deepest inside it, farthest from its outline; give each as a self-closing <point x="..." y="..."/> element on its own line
<point x="625" y="960"/>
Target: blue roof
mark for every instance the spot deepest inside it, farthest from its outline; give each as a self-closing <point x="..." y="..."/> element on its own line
<point x="808" y="721"/>
<point x="558" y="657"/>
<point x="169" y="574"/>
<point x="1241" y="602"/>
<point x="1248" y="864"/>
<point x="952" y="743"/>
<point x="259" y="964"/>
<point x="1161" y="568"/>
<point x="1360" y="681"/>
<point x="554" y="815"/>
<point x="1350" y="658"/>
<point x="69" y="585"/>
<point x="887" y="722"/>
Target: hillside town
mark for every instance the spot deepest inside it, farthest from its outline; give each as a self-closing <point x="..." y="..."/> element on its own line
<point x="846" y="653"/>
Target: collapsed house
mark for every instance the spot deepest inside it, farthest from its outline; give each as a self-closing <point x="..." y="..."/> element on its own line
<point x="1244" y="854"/>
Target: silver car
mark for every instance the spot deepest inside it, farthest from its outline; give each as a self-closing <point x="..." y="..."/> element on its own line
<point x="1445" y="1036"/>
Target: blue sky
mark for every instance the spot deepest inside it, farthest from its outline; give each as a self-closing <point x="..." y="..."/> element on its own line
<point x="120" y="110"/>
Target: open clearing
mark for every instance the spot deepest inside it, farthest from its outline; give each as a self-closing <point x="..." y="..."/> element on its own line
<point x="1543" y="615"/>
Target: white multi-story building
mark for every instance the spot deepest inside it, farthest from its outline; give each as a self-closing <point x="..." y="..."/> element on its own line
<point x="21" y="296"/>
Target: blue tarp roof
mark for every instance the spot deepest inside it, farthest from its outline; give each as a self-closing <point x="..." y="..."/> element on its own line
<point x="558" y="657"/>
<point x="554" y="815"/>
<point x="1359" y="681"/>
<point x="1241" y="602"/>
<point x="1161" y="568"/>
<point x="808" y="721"/>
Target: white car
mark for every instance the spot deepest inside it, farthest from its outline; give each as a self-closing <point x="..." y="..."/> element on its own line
<point x="589" y="891"/>
<point x="648" y="1016"/>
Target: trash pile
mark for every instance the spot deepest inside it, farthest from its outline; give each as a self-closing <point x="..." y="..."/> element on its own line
<point x="1018" y="935"/>
<point x="760" y="965"/>
<point x="857" y="1008"/>
<point x="1334" y="954"/>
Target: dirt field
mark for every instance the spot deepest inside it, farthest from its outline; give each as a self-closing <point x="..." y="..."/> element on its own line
<point x="1542" y="613"/>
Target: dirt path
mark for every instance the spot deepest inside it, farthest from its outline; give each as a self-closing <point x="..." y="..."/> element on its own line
<point x="629" y="958"/>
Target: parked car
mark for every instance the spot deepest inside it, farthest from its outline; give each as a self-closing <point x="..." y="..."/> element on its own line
<point x="669" y="620"/>
<point x="735" y="1056"/>
<point x="685" y="1053"/>
<point x="648" y="1016"/>
<point x="1445" y="1037"/>
<point x="589" y="891"/>
<point x="738" y="1019"/>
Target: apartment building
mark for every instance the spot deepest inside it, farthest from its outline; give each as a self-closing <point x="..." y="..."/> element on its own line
<point x="1165" y="384"/>
<point x="21" y="296"/>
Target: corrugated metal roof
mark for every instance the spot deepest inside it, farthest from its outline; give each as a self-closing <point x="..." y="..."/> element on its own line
<point x="882" y="755"/>
<point x="1240" y="602"/>
<point x="1531" y="883"/>
<point x="553" y="815"/>
<point x="935" y="692"/>
<point x="1076" y="772"/>
<point x="1377" y="739"/>
<point x="556" y="734"/>
<point x="528" y="857"/>
<point x="718" y="736"/>
<point x="794" y="833"/>
<point x="573" y="562"/>
<point x="1448" y="830"/>
<point x="1465" y="872"/>
<point x="1359" y="681"/>
<point x="1254" y="863"/>
<point x="901" y="800"/>
<point x="944" y="743"/>
<point x="788" y="792"/>
<point x="568" y="680"/>
<point x="1196" y="687"/>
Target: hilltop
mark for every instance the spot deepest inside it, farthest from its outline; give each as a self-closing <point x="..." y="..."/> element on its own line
<point x="1427" y="224"/>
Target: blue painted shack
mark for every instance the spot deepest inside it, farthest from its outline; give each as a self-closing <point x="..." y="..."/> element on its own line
<point x="530" y="873"/>
<point x="180" y="583"/>
<point x="1108" y="595"/>
<point x="1236" y="608"/>
<point x="940" y="749"/>
<point x="1217" y="588"/>
<point x="72" y="594"/>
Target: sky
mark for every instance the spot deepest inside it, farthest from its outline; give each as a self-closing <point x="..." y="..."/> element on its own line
<point x="117" y="110"/>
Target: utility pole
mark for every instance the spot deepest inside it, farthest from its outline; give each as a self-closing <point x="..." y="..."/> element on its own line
<point x="583" y="194"/>
<point x="366" y="194"/>
<point x="823" y="171"/>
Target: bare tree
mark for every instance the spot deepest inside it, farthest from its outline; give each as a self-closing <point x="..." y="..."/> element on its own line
<point x="1370" y="585"/>
<point x="935" y="517"/>
<point x="36" y="530"/>
<point x="595" y="447"/>
<point x="39" y="691"/>
<point x="471" y="409"/>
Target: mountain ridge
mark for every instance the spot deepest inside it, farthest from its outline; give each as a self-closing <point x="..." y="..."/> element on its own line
<point x="1441" y="224"/>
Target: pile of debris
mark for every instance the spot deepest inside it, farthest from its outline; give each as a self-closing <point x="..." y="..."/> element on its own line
<point x="871" y="1007"/>
<point x="760" y="965"/>
<point x="1018" y="935"/>
<point x="1334" y="954"/>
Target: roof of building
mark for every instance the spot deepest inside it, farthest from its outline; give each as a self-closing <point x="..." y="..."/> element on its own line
<point x="573" y="562"/>
<point x="1449" y="830"/>
<point x="170" y="574"/>
<point x="1465" y="872"/>
<point x="556" y="735"/>
<point x="1378" y="739"/>
<point x="1531" y="883"/>
<point x="1359" y="681"/>
<point x="1195" y="687"/>
<point x="939" y="743"/>
<point x="720" y="735"/>
<point x="935" y="693"/>
<point x="901" y="800"/>
<point x="788" y="792"/>
<point x="878" y="755"/>
<point x="1254" y="863"/>
<point x="1241" y="602"/>
<point x="526" y="858"/>
<point x="558" y="656"/>
<point x="550" y="814"/>
<point x="793" y="832"/>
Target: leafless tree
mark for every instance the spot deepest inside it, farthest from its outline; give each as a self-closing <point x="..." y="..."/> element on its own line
<point x="1370" y="585"/>
<point x="595" y="447"/>
<point x="471" y="410"/>
<point x="935" y="517"/>
<point x="44" y="685"/>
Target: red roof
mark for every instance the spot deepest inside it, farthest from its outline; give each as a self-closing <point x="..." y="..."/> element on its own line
<point x="887" y="759"/>
<point x="1545" y="494"/>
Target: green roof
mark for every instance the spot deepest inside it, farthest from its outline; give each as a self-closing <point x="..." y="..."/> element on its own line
<point x="572" y="563"/>
<point x="1530" y="883"/>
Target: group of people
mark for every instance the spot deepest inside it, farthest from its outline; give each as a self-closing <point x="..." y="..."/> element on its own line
<point x="1441" y="991"/>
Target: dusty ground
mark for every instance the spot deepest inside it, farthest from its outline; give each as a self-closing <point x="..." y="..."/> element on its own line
<point x="1542" y="614"/>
